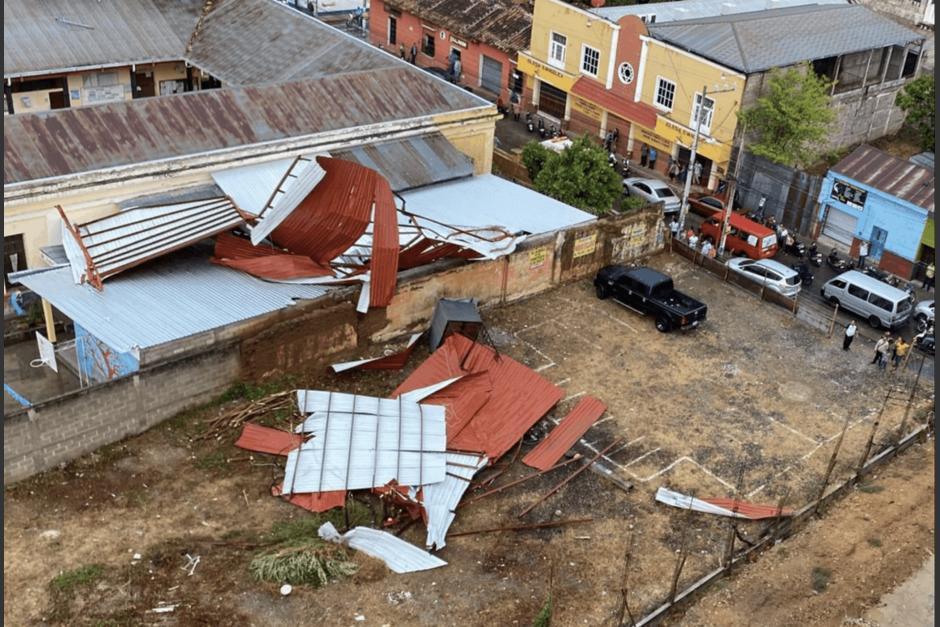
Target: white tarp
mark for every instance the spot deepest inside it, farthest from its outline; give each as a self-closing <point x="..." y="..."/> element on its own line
<point x="441" y="499"/>
<point x="398" y="555"/>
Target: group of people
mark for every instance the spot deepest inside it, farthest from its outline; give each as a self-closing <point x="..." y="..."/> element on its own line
<point x="887" y="348"/>
<point x="692" y="239"/>
<point x="679" y="171"/>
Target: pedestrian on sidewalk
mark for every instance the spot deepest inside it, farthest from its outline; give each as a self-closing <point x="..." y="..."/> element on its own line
<point x="693" y="240"/>
<point x="881" y="351"/>
<point x="849" y="335"/>
<point x="927" y="283"/>
<point x="673" y="169"/>
<point x="413" y="53"/>
<point x="900" y="351"/>
<point x="708" y="248"/>
<point x="652" y="158"/>
<point x="644" y="151"/>
<point x="674" y="226"/>
<point x="862" y="253"/>
<point x="401" y="50"/>
<point x="697" y="173"/>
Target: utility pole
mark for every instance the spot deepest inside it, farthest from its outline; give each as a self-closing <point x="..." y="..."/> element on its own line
<point x="732" y="188"/>
<point x="684" y="209"/>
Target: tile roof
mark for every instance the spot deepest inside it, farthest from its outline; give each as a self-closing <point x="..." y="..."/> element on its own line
<point x="761" y="40"/>
<point x="898" y="177"/>
<point x="503" y="24"/>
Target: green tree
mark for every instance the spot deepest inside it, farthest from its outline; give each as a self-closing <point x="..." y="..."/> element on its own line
<point x="534" y="156"/>
<point x="917" y="100"/>
<point x="580" y="176"/>
<point x="793" y="118"/>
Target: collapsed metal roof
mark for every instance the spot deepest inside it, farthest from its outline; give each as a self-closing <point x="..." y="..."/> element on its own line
<point x="892" y="175"/>
<point x="761" y="40"/>
<point x="503" y="24"/>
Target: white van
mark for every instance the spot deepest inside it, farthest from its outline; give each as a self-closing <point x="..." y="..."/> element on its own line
<point x="878" y="302"/>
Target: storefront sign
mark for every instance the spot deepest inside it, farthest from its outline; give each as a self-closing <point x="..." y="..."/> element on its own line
<point x="848" y="194"/>
<point x="458" y="42"/>
<point x="587" y="108"/>
<point x="650" y="138"/>
<point x="585" y="245"/>
<point x="552" y="76"/>
<point x="672" y="132"/>
<point x="537" y="257"/>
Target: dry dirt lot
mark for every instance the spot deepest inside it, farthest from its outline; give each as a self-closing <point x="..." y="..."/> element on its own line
<point x="752" y="392"/>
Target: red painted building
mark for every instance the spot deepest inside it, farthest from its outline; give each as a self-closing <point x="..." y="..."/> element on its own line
<point x="485" y="35"/>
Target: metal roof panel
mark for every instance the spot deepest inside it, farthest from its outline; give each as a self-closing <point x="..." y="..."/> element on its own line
<point x="898" y="177"/>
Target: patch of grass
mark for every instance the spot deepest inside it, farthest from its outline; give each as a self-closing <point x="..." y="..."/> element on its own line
<point x="212" y="461"/>
<point x="820" y="578"/>
<point x="544" y="617"/>
<point x="875" y="542"/>
<point x="870" y="488"/>
<point x="67" y="582"/>
<point x="313" y="563"/>
<point x="244" y="390"/>
<point x="300" y="530"/>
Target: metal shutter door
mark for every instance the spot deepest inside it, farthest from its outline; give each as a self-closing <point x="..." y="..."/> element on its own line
<point x="840" y="226"/>
<point x="491" y="75"/>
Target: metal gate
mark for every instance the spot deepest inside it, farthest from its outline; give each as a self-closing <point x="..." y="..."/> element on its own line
<point x="491" y="75"/>
<point x="840" y="226"/>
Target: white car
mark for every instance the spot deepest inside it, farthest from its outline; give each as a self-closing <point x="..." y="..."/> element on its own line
<point x="923" y="314"/>
<point x="652" y="190"/>
<point x="773" y="274"/>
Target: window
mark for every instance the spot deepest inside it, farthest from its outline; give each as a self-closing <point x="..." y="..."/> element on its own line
<point x="664" y="192"/>
<point x="757" y="270"/>
<point x="910" y="64"/>
<point x="625" y="73"/>
<point x="706" y="114"/>
<point x="665" y="93"/>
<point x="643" y="188"/>
<point x="858" y="292"/>
<point x="881" y="303"/>
<point x="100" y="79"/>
<point x="839" y="285"/>
<point x="392" y="30"/>
<point x="556" y="50"/>
<point x="590" y="60"/>
<point x="427" y="44"/>
<point x="36" y="84"/>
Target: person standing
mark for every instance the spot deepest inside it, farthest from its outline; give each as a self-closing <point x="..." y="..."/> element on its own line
<point x="862" y="253"/>
<point x="457" y="70"/>
<point x="643" y="152"/>
<point x="928" y="276"/>
<point x="881" y="350"/>
<point x="849" y="335"/>
<point x="900" y="351"/>
<point x="652" y="158"/>
<point x="413" y="53"/>
<point x="674" y="226"/>
<point x="707" y="248"/>
<point x="697" y="173"/>
<point x="693" y="240"/>
<point x="401" y="50"/>
<point x="673" y="169"/>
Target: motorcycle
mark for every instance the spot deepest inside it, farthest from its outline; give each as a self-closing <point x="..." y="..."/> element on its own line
<point x="529" y="124"/>
<point x="925" y="341"/>
<point x="612" y="160"/>
<point x="881" y="275"/>
<point x="794" y="247"/>
<point x="815" y="257"/>
<point x="625" y="167"/>
<point x="541" y="128"/>
<point x="554" y="132"/>
<point x="806" y="277"/>
<point x="836" y="262"/>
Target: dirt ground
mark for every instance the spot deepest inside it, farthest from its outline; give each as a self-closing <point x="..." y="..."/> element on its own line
<point x="753" y="392"/>
<point x="874" y="540"/>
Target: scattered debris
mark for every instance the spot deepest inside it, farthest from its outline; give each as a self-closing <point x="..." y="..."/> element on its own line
<point x="286" y="589"/>
<point x="543" y="525"/>
<point x="395" y="361"/>
<point x="262" y="439"/>
<point x="51" y="535"/>
<point x="239" y="415"/>
<point x="398" y="555"/>
<point x="721" y="506"/>
<point x="191" y="563"/>
<point x="164" y="609"/>
<point x="396" y="598"/>
<point x="441" y="499"/>
<point x="566" y="434"/>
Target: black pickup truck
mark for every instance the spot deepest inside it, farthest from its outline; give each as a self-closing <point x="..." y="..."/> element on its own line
<point x="650" y="292"/>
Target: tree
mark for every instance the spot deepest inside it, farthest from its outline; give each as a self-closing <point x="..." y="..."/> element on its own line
<point x="793" y="118"/>
<point x="534" y="156"/>
<point x="917" y="100"/>
<point x="580" y="176"/>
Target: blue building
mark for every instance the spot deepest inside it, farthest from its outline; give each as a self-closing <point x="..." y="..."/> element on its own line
<point x="885" y="200"/>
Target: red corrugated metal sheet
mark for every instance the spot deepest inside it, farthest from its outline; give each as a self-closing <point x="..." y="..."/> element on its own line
<point x="518" y="397"/>
<point x="384" y="262"/>
<point x="314" y="501"/>
<point x="267" y="440"/>
<point x="425" y="251"/>
<point x="638" y="112"/>
<point x="754" y="511"/>
<point x="463" y="399"/>
<point x="563" y="436"/>
<point x="264" y="261"/>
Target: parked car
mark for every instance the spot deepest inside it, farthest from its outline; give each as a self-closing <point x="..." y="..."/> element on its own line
<point x="772" y="274"/>
<point x="706" y="205"/>
<point x="878" y="302"/>
<point x="649" y="291"/>
<point x="745" y="237"/>
<point x="652" y="190"/>
<point x="923" y="314"/>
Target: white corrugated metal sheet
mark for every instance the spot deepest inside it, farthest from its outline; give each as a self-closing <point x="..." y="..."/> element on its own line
<point x="349" y="365"/>
<point x="299" y="180"/>
<point x="441" y="499"/>
<point x="398" y="555"/>
<point x="682" y="501"/>
<point x="660" y="12"/>
<point x="250" y="186"/>
<point x="363" y="442"/>
<point x="169" y="299"/>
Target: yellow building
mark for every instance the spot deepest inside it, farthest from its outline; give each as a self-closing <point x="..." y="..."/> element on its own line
<point x="672" y="81"/>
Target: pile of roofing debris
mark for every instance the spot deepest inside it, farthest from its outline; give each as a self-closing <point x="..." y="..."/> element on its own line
<point x="419" y="450"/>
<point x="316" y="220"/>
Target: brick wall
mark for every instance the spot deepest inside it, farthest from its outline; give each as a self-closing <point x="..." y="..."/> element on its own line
<point x="306" y="338"/>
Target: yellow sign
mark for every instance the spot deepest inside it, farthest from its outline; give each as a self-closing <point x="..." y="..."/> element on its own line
<point x="585" y="245"/>
<point x="673" y="132"/>
<point x="587" y="108"/>
<point x="552" y="76"/>
<point x="652" y="139"/>
<point x="537" y="257"/>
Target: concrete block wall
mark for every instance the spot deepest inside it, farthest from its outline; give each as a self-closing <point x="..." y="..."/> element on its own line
<point x="69" y="426"/>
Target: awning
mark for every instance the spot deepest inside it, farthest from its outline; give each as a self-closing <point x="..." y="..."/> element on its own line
<point x="638" y="112"/>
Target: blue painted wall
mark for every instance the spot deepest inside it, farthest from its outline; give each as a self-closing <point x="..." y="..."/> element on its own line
<point x="99" y="362"/>
<point x="903" y="221"/>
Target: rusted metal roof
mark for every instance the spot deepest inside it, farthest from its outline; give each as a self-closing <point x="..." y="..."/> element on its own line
<point x="564" y="436"/>
<point x="518" y="396"/>
<point x="264" y="261"/>
<point x="106" y="246"/>
<point x="253" y="42"/>
<point x="412" y="162"/>
<point x="892" y="175"/>
<point x="503" y="24"/>
<point x="56" y="35"/>
<point x="639" y="112"/>
<point x="72" y="141"/>
<point x="263" y="439"/>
